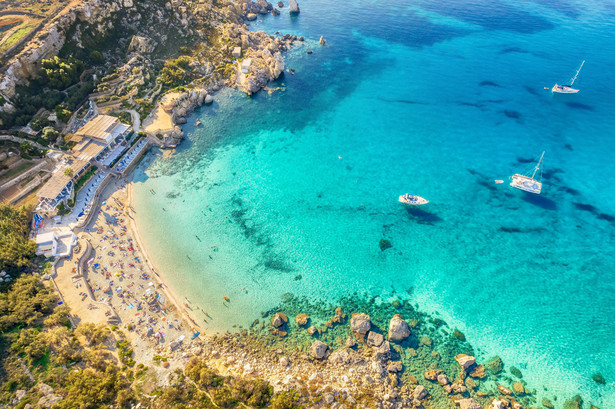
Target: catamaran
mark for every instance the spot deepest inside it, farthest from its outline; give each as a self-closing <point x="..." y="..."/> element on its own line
<point x="527" y="183"/>
<point x="412" y="200"/>
<point x="567" y="89"/>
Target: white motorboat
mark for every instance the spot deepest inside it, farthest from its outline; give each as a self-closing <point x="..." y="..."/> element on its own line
<point x="528" y="183"/>
<point x="567" y="89"/>
<point x="412" y="200"/>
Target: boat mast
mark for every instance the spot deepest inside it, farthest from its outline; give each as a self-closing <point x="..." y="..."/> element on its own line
<point x="538" y="164"/>
<point x="577" y="74"/>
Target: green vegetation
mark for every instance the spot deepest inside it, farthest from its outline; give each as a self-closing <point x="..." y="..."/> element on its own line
<point x="61" y="73"/>
<point x="16" y="250"/>
<point x="49" y="134"/>
<point x="125" y="117"/>
<point x="176" y="72"/>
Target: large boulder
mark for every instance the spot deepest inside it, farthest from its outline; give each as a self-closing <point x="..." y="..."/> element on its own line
<point x="443" y="379"/>
<point x="293" y="7"/>
<point x="398" y="328"/>
<point x="279" y="319"/>
<point x="383" y="352"/>
<point x="339" y="357"/>
<point x="302" y="320"/>
<point x="374" y="339"/>
<point x="468" y="404"/>
<point x="504" y="390"/>
<point x="360" y="323"/>
<point x="420" y="392"/>
<point x="318" y="349"/>
<point x="431" y="375"/>
<point x="395" y="366"/>
<point x="465" y="361"/>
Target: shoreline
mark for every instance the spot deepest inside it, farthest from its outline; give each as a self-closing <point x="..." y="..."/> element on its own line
<point x="368" y="368"/>
<point x="159" y="279"/>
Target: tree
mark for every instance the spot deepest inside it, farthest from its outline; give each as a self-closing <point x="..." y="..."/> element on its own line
<point x="96" y="57"/>
<point x="50" y="134"/>
<point x="26" y="302"/>
<point x="61" y="73"/>
<point x="16" y="250"/>
<point x="69" y="172"/>
<point x="39" y="123"/>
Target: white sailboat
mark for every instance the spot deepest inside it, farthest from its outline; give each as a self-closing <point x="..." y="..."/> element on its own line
<point x="412" y="200"/>
<point x="528" y="183"/>
<point x="567" y="89"/>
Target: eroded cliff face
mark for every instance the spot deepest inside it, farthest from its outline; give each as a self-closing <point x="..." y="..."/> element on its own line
<point x="50" y="40"/>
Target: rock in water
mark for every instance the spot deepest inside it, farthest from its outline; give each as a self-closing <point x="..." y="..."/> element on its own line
<point x="478" y="372"/>
<point x="322" y="40"/>
<point x="495" y="365"/>
<point x="208" y="99"/>
<point x="442" y="379"/>
<point x="251" y="17"/>
<point x="302" y="319"/>
<point x="518" y="388"/>
<point x="375" y="339"/>
<point x="574" y="403"/>
<point x="468" y="404"/>
<point x="398" y="328"/>
<point x="293" y="7"/>
<point x="431" y="375"/>
<point x="598" y="378"/>
<point x="385" y="244"/>
<point x="465" y="361"/>
<point x="280" y="4"/>
<point x="318" y="349"/>
<point x="420" y="392"/>
<point x="360" y="323"/>
<point x="279" y="319"/>
<point x="504" y="390"/>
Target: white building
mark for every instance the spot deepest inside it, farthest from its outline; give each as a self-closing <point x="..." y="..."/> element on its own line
<point x="47" y="244"/>
<point x="53" y="245"/>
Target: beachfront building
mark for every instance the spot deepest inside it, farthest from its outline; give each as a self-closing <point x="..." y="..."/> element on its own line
<point x="51" y="244"/>
<point x="47" y="244"/>
<point x="60" y="187"/>
<point x="99" y="142"/>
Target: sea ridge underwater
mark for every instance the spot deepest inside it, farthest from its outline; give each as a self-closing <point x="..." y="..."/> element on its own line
<point x="293" y="191"/>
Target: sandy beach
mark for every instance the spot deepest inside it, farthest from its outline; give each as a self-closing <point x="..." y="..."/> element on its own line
<point x="118" y="285"/>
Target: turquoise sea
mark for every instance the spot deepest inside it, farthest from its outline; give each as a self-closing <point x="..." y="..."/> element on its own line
<point x="292" y="191"/>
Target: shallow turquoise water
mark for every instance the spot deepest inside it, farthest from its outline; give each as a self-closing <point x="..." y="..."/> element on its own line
<point x="428" y="99"/>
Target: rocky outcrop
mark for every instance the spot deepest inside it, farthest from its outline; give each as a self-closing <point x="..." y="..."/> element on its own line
<point x="293" y="7"/>
<point x="318" y="349"/>
<point x="398" y="328"/>
<point x="50" y="39"/>
<point x="360" y="324"/>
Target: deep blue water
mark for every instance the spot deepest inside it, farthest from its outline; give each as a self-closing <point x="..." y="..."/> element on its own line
<point x="433" y="98"/>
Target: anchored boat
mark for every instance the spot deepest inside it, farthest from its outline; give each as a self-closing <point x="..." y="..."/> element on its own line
<point x="567" y="89"/>
<point x="412" y="200"/>
<point x="528" y="183"/>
